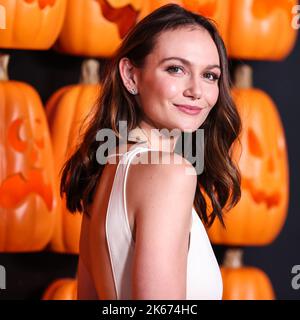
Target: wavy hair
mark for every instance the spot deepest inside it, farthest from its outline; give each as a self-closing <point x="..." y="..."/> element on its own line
<point x="220" y="180"/>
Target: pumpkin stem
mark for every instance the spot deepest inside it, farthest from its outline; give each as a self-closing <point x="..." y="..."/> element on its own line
<point x="243" y="77"/>
<point x="4" y="58"/>
<point x="90" y="72"/>
<point x="233" y="258"/>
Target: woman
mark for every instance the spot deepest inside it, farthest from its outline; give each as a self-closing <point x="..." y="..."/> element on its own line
<point x="142" y="234"/>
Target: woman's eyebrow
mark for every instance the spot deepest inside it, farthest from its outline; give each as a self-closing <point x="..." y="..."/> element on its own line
<point x="187" y="62"/>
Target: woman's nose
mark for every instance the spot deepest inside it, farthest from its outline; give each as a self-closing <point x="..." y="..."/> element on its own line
<point x="194" y="89"/>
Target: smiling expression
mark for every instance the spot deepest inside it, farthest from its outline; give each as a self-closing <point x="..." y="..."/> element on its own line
<point x="182" y="69"/>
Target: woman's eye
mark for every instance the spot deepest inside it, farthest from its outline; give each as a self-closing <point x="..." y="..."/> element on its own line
<point x="211" y="76"/>
<point x="174" y="69"/>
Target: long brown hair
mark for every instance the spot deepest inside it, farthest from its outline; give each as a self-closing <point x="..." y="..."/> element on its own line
<point x="220" y="179"/>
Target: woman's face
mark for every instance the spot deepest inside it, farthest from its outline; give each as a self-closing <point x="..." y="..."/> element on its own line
<point x="183" y="69"/>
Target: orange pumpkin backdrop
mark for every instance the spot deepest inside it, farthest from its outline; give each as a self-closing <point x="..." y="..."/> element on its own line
<point x="96" y="27"/>
<point x="259" y="216"/>
<point x="28" y="200"/>
<point x="29" y="182"/>
<point x="217" y="10"/>
<point x="243" y="282"/>
<point x="61" y="289"/>
<point x="261" y="29"/>
<point x="66" y="110"/>
<point x="32" y="24"/>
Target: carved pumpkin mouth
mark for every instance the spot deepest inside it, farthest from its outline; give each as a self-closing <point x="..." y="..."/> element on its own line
<point x="124" y="17"/>
<point x="259" y="196"/>
<point x="43" y="3"/>
<point x="16" y="188"/>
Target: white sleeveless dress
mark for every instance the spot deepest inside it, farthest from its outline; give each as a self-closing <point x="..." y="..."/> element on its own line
<point x="204" y="281"/>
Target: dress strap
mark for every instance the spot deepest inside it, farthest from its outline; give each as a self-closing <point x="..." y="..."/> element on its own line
<point x="118" y="233"/>
<point x="134" y="147"/>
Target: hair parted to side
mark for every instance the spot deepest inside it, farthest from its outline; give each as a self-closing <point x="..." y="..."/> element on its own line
<point x="220" y="179"/>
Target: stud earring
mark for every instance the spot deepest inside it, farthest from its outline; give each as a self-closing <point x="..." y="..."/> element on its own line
<point x="133" y="91"/>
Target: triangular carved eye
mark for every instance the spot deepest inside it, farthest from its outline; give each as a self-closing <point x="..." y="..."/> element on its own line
<point x="254" y="145"/>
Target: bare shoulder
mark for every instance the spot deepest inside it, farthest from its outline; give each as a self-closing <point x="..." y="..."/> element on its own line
<point x="165" y="194"/>
<point x="164" y="183"/>
<point x="158" y="170"/>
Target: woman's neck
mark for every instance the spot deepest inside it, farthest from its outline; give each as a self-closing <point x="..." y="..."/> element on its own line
<point x="153" y="138"/>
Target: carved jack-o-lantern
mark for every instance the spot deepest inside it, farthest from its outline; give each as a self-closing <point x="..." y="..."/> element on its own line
<point x="96" y="27"/>
<point x="27" y="189"/>
<point x="260" y="29"/>
<point x="259" y="216"/>
<point x="32" y="24"/>
<point x="66" y="110"/>
<point x="217" y="10"/>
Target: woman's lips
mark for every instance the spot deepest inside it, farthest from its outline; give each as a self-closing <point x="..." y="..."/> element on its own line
<point x="188" y="109"/>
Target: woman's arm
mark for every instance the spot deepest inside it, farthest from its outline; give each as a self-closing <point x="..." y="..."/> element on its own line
<point x="165" y="194"/>
<point x="85" y="289"/>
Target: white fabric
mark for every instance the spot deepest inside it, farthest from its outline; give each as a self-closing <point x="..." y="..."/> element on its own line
<point x="204" y="279"/>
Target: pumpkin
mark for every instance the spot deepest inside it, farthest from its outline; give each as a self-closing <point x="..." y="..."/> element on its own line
<point x="97" y="27"/>
<point x="260" y="214"/>
<point x="244" y="282"/>
<point x="217" y="10"/>
<point x="260" y="29"/>
<point x="61" y="289"/>
<point x="32" y="24"/>
<point x="155" y="4"/>
<point x="66" y="110"/>
<point x="28" y="200"/>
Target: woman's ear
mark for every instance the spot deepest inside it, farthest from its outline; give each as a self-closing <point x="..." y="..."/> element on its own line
<point x="127" y="73"/>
